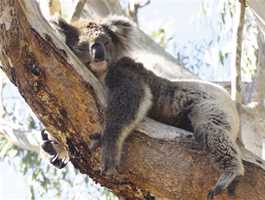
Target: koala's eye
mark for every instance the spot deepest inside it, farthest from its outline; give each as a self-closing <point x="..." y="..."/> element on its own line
<point x="98" y="52"/>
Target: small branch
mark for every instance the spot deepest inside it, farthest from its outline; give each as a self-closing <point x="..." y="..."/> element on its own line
<point x="145" y="4"/>
<point x="133" y="9"/>
<point x="19" y="139"/>
<point x="259" y="93"/>
<point x="236" y="90"/>
<point x="55" y="7"/>
<point x="236" y="70"/>
<point x="78" y="10"/>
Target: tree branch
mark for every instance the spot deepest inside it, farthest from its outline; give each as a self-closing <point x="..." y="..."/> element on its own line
<point x="68" y="100"/>
<point x="259" y="92"/>
<point x="55" y="7"/>
<point x="133" y="9"/>
<point x="78" y="10"/>
<point x="236" y="70"/>
<point x="236" y="88"/>
<point x="20" y="140"/>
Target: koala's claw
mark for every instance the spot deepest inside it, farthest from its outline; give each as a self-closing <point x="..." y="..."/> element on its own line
<point x="44" y="135"/>
<point x="231" y="189"/>
<point x="212" y="193"/>
<point x="58" y="162"/>
<point x="55" y="151"/>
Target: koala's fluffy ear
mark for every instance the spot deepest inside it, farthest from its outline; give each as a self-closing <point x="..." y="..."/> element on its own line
<point x="70" y="32"/>
<point x="119" y="27"/>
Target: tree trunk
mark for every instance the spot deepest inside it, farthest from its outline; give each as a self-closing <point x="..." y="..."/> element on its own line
<point x="68" y="99"/>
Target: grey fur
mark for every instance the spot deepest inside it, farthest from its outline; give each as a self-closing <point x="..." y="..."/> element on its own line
<point x="134" y="92"/>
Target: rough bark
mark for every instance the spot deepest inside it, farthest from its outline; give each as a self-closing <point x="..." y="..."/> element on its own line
<point x="68" y="100"/>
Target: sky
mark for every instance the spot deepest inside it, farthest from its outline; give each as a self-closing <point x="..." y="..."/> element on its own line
<point x="12" y="183"/>
<point x="176" y="16"/>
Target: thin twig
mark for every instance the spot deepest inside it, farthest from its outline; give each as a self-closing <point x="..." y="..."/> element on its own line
<point x="133" y="9"/>
<point x="259" y="93"/>
<point x="236" y="89"/>
<point x="236" y="70"/>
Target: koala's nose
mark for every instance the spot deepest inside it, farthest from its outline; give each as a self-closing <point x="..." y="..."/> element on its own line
<point x="98" y="52"/>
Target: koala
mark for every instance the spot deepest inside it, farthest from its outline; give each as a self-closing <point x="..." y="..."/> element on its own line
<point x="133" y="92"/>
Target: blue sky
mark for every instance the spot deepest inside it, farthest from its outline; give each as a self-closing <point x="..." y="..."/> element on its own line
<point x="176" y="16"/>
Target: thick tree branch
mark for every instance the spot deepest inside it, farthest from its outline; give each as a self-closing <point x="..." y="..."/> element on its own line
<point x="68" y="99"/>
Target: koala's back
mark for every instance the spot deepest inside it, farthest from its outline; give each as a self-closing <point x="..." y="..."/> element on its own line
<point x="217" y="110"/>
<point x="189" y="104"/>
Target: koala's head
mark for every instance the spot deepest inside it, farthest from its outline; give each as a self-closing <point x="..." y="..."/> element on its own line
<point x="96" y="45"/>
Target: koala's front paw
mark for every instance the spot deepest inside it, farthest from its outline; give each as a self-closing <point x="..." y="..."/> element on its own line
<point x="55" y="151"/>
<point x="110" y="159"/>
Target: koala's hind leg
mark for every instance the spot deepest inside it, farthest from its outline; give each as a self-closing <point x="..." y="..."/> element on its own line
<point x="55" y="151"/>
<point x="212" y="130"/>
<point x="224" y="152"/>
